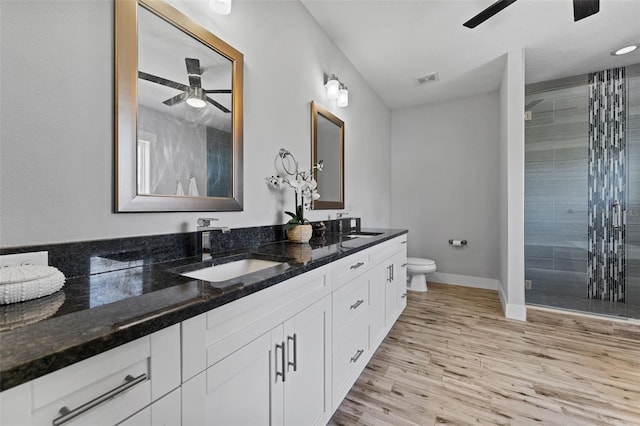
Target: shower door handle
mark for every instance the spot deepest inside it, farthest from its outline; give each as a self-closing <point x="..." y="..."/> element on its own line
<point x="616" y="215"/>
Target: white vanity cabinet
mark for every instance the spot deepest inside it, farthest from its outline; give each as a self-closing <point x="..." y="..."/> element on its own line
<point x="264" y="359"/>
<point x="102" y="390"/>
<point x="285" y="355"/>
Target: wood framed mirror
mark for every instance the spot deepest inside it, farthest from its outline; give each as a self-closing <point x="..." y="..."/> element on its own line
<point x="178" y="113"/>
<point x="327" y="145"/>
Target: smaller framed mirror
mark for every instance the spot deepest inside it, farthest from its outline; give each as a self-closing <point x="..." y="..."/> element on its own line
<point x="327" y="145"/>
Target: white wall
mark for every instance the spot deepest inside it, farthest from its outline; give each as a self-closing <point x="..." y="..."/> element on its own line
<point x="511" y="187"/>
<point x="56" y="123"/>
<point x="444" y="181"/>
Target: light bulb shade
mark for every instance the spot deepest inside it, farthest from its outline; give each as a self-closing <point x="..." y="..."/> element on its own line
<point x="332" y="85"/>
<point x="343" y="97"/>
<point x="197" y="98"/>
<point x="221" y="7"/>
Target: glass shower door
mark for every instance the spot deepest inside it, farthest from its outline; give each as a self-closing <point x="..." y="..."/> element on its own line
<point x="582" y="193"/>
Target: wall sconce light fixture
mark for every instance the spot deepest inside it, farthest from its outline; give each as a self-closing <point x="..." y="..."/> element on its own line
<point x="221" y="7"/>
<point x="332" y="84"/>
<point x="343" y="96"/>
<point x="336" y="90"/>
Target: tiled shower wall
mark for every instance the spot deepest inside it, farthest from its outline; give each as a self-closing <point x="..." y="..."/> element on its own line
<point x="556" y="160"/>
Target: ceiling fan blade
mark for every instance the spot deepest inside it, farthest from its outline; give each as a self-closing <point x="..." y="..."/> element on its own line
<point x="218" y="105"/>
<point x="194" y="71"/>
<point x="488" y="13"/>
<point x="163" y="81"/>
<point x="176" y="99"/>
<point x="585" y="8"/>
<point x="218" y="91"/>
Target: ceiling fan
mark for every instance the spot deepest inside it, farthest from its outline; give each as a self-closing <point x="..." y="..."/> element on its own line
<point x="581" y="10"/>
<point x="193" y="94"/>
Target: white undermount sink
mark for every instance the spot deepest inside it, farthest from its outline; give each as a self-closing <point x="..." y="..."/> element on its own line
<point x="227" y="271"/>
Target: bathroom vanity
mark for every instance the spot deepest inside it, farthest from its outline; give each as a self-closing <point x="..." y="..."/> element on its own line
<point x="282" y="345"/>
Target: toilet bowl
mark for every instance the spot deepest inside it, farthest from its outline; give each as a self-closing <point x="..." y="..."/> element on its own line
<point x="417" y="268"/>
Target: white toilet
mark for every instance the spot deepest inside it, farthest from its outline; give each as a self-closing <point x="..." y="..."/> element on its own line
<point x="417" y="268"/>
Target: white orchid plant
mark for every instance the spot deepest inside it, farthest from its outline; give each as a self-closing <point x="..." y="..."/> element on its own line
<point x="302" y="183"/>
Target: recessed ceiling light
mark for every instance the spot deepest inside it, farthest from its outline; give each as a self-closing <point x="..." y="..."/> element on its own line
<point x="624" y="50"/>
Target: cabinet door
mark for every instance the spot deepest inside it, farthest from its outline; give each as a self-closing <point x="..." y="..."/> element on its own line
<point x="391" y="292"/>
<point x="235" y="391"/>
<point x="400" y="265"/>
<point x="377" y="289"/>
<point x="305" y="401"/>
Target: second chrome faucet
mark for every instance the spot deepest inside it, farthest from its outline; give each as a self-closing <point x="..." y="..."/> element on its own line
<point x="204" y="226"/>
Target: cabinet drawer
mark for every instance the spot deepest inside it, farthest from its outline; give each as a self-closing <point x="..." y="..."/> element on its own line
<point x="350" y="267"/>
<point x="212" y="336"/>
<point x="350" y="301"/>
<point x="111" y="386"/>
<point x="351" y="353"/>
<point x="388" y="248"/>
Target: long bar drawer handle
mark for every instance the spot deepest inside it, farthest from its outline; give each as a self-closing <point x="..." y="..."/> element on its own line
<point x="357" y="265"/>
<point x="358" y="303"/>
<point x="358" y="354"/>
<point x="278" y="373"/>
<point x="67" y="414"/>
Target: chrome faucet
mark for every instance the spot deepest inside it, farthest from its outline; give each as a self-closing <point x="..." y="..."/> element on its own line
<point x="204" y="226"/>
<point x="340" y="216"/>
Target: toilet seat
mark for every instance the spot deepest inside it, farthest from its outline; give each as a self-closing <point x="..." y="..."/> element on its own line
<point x="419" y="265"/>
<point x="418" y="261"/>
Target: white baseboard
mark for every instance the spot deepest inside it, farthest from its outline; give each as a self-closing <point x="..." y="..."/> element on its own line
<point x="463" y="280"/>
<point x="512" y="311"/>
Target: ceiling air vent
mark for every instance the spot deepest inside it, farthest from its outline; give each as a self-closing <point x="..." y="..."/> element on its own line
<point x="427" y="78"/>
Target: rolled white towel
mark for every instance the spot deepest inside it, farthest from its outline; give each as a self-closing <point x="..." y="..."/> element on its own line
<point x="26" y="282"/>
<point x="193" y="188"/>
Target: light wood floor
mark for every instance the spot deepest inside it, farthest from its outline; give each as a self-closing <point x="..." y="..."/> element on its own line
<point x="452" y="358"/>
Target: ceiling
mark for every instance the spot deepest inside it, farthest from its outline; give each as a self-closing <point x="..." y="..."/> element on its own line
<point x="392" y="42"/>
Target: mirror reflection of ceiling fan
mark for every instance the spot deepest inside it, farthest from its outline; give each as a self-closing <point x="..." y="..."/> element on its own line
<point x="581" y="10"/>
<point x="194" y="95"/>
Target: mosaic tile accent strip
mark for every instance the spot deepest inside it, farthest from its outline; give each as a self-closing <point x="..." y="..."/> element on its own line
<point x="607" y="185"/>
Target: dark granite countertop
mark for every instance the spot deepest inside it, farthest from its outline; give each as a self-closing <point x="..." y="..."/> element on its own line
<point x="95" y="313"/>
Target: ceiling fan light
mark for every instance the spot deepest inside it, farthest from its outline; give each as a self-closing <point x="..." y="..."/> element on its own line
<point x="625" y="50"/>
<point x="221" y="7"/>
<point x="343" y="97"/>
<point x="197" y="98"/>
<point x="332" y="85"/>
<point x="196" y="103"/>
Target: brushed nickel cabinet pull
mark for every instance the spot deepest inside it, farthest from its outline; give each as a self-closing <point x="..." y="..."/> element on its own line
<point x="403" y="295"/>
<point x="357" y="265"/>
<point x="67" y="414"/>
<point x="293" y="339"/>
<point x="404" y="265"/>
<point x="403" y="242"/>
<point x="282" y="373"/>
<point x="358" y="354"/>
<point x="358" y="303"/>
